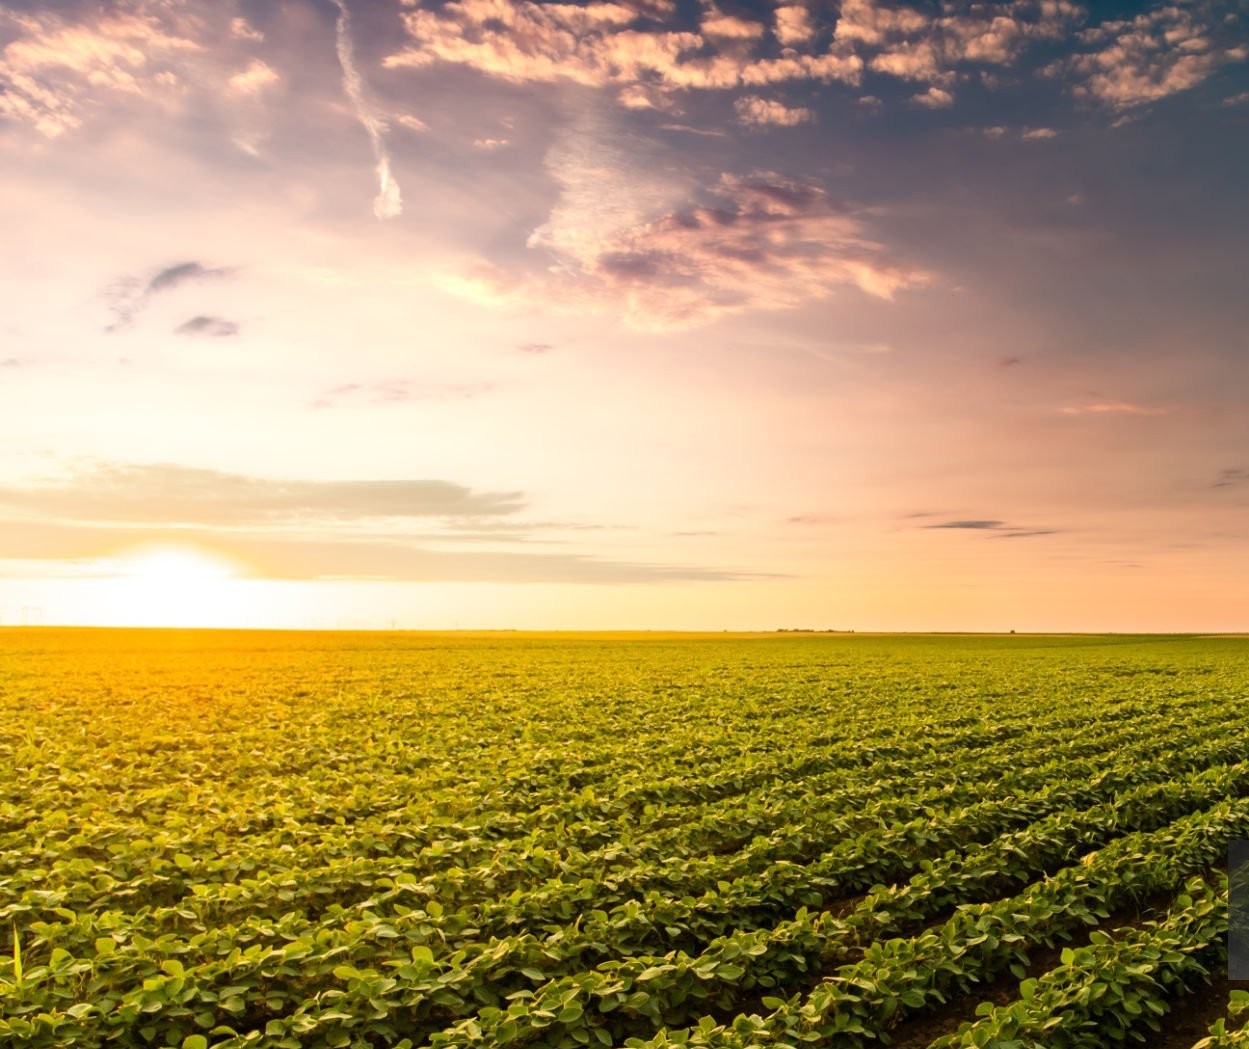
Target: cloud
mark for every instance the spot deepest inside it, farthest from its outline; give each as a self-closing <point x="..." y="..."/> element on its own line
<point x="609" y="44"/>
<point x="131" y="295"/>
<point x="1232" y="476"/>
<point x="1113" y="408"/>
<point x="1236" y="100"/>
<point x="1034" y="133"/>
<point x="182" y="273"/>
<point x="1156" y="54"/>
<point x="254" y="79"/>
<point x="54" y="71"/>
<point x="241" y="29"/>
<point x="388" y="203"/>
<point x="999" y="529"/>
<point x="750" y="242"/>
<point x="397" y="391"/>
<point x="717" y="24"/>
<point x="754" y="111"/>
<point x="166" y="493"/>
<point x="202" y="325"/>
<point x="303" y="529"/>
<point x="490" y="144"/>
<point x="96" y="550"/>
<point x="862" y="21"/>
<point x="793" y="25"/>
<point x="535" y="347"/>
<point x="934" y="98"/>
<point x="917" y="45"/>
<point x="974" y="525"/>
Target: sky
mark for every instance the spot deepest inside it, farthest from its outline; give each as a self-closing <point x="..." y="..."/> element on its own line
<point x="649" y="314"/>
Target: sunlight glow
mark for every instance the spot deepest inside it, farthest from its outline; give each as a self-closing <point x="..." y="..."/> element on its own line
<point x="173" y="585"/>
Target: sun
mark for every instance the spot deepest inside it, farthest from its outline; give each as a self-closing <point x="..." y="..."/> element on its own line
<point x="173" y="584"/>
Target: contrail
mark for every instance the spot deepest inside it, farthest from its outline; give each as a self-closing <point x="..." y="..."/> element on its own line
<point x="388" y="203"/>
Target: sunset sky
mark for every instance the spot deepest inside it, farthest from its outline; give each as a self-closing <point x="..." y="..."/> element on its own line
<point x="651" y="314"/>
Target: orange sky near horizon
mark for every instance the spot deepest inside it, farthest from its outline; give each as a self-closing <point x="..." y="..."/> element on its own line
<point x="642" y="315"/>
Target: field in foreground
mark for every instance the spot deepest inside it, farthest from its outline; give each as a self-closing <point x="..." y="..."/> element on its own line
<point x="307" y="840"/>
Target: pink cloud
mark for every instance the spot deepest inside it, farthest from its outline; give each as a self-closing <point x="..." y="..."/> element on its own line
<point x="1112" y="408"/>
<point x="757" y="243"/>
<point x="1147" y="58"/>
<point x="54" y="69"/>
<point x="864" y="22"/>
<point x="606" y="44"/>
<point x="793" y="25"/>
<point x="718" y="24"/>
<point x="918" y="60"/>
<point x="934" y="98"/>
<point x="254" y="79"/>
<point x="754" y="111"/>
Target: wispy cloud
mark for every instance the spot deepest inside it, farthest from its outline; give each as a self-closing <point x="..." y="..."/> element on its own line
<point x="1113" y="408"/>
<point x="1231" y="476"/>
<point x="388" y="203"/>
<point x="203" y="325"/>
<point x="399" y="391"/>
<point x="296" y="556"/>
<point x="998" y="529"/>
<point x="131" y="295"/>
<point x="173" y="494"/>
<point x="971" y="525"/>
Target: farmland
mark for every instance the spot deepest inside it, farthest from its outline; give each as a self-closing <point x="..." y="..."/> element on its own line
<point x="288" y="840"/>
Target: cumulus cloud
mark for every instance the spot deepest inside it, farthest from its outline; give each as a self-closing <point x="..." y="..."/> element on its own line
<point x="388" y="203"/>
<point x="171" y="494"/>
<point x="55" y="69"/>
<point x="867" y="22"/>
<point x="241" y="29"/>
<point x="1162" y="52"/>
<point x="920" y="45"/>
<point x="608" y="44"/>
<point x="934" y="98"/>
<point x="253" y="80"/>
<point x="717" y="24"/>
<point x="917" y="60"/>
<point x="131" y="295"/>
<point x="754" y="111"/>
<point x="793" y="25"/>
<point x="755" y="242"/>
<point x="202" y="325"/>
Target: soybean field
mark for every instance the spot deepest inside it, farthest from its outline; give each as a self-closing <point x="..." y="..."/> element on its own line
<point x="253" y="839"/>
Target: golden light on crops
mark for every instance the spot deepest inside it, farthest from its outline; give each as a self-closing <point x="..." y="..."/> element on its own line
<point x="173" y="584"/>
